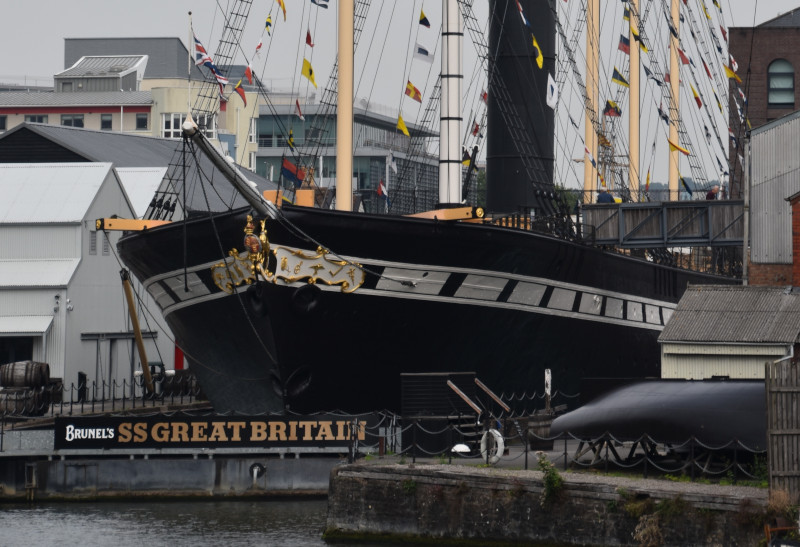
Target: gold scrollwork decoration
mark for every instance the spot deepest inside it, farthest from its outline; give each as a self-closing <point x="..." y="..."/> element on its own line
<point x="320" y="267"/>
<point x="233" y="271"/>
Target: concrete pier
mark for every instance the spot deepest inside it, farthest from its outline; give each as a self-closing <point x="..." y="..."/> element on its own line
<point x="478" y="505"/>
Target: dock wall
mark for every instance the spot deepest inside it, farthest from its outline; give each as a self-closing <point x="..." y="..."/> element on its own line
<point x="484" y="505"/>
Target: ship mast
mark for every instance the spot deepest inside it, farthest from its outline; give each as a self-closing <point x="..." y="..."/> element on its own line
<point x="674" y="82"/>
<point x="592" y="38"/>
<point x="344" y="115"/>
<point x="450" y="109"/>
<point x="633" y="119"/>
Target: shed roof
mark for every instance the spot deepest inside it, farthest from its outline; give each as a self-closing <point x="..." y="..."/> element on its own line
<point x="731" y="314"/>
<point x="32" y="273"/>
<point x="166" y="56"/>
<point x="140" y="184"/>
<point x="49" y="192"/>
<point x="21" y="325"/>
<point x="103" y="66"/>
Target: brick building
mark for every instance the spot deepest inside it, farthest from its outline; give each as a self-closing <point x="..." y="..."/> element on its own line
<point x="768" y="56"/>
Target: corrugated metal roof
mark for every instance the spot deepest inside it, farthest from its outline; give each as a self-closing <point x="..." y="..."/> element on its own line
<point x="712" y="313"/>
<point x="31" y="273"/>
<point x="102" y="66"/>
<point x="77" y="98"/>
<point x="25" y="324"/>
<point x="48" y="192"/>
<point x="140" y="184"/>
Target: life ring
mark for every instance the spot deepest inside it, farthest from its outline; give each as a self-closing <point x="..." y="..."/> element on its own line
<point x="494" y="452"/>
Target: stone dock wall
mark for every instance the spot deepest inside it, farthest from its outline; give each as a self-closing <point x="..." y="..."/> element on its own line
<point x="486" y="505"/>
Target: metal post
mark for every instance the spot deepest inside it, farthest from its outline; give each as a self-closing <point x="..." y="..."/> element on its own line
<point x="414" y="443"/>
<point x="691" y="452"/>
<point x="565" y="453"/>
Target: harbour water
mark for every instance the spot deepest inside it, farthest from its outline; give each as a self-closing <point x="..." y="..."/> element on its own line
<point x="291" y="523"/>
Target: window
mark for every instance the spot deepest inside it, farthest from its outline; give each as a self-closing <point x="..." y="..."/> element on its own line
<point x="141" y="122"/>
<point x="66" y="86"/>
<point x="780" y="81"/>
<point x="92" y="242"/>
<point x="3" y="123"/>
<point x="36" y="118"/>
<point x="105" y="122"/>
<point x="171" y="126"/>
<point x="72" y="120"/>
<point x="251" y="137"/>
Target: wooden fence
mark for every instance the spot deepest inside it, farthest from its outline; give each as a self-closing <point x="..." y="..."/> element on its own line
<point x="783" y="427"/>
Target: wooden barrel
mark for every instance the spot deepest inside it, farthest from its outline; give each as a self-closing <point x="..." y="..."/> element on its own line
<point x="22" y="401"/>
<point x="24" y="374"/>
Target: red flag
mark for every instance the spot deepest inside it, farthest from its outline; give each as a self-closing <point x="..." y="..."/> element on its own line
<point x="684" y="58"/>
<point x="248" y="72"/>
<point x="258" y="47"/>
<point x="238" y="89"/>
<point x="413" y="92"/>
<point x="475" y="129"/>
<point x="485" y="96"/>
<point x="299" y="113"/>
<point x="308" y="38"/>
<point x="724" y="34"/>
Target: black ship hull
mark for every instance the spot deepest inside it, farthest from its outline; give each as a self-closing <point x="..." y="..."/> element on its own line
<point x="436" y="297"/>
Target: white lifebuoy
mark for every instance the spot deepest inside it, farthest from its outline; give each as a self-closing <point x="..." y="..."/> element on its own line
<point x="498" y="449"/>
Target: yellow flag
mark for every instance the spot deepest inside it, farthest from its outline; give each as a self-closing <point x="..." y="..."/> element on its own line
<point x="673" y="146"/>
<point x="731" y="74"/>
<point x="539" y="56"/>
<point x="283" y="7"/>
<point x="308" y="72"/>
<point x="402" y="126"/>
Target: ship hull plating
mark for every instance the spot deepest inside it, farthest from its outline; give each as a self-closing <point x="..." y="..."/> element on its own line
<point x="436" y="297"/>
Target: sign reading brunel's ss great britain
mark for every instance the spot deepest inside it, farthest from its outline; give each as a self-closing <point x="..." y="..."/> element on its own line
<point x="125" y="432"/>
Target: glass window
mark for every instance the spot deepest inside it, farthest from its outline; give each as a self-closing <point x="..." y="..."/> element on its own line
<point x="3" y="122"/>
<point x="72" y="120"/>
<point x="251" y="137"/>
<point x="171" y="126"/>
<point x="780" y="81"/>
<point x="141" y="122"/>
<point x="105" y="122"/>
<point x="36" y="118"/>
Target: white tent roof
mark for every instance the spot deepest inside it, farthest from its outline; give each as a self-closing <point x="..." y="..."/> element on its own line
<point x="140" y="184"/>
<point x="24" y="325"/>
<point x="48" y="192"/>
<point x="30" y="272"/>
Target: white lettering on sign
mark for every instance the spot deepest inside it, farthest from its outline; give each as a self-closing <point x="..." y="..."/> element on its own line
<point x="74" y="433"/>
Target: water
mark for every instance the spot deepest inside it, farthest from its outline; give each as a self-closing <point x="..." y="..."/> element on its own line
<point x="288" y="523"/>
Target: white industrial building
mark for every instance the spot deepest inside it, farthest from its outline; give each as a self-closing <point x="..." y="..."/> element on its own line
<point x="61" y="297"/>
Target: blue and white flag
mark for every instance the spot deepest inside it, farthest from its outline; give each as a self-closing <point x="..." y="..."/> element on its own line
<point x="320" y="3"/>
<point x="421" y="52"/>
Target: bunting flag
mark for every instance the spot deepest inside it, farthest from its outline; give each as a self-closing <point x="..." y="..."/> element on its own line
<point x="238" y="89"/>
<point x="636" y="37"/>
<point x="297" y="109"/>
<point x="618" y="78"/>
<point x="672" y="28"/>
<point x="475" y="128"/>
<point x="320" y="3"/>
<point x="283" y="7"/>
<point x="521" y="14"/>
<point x="696" y="97"/>
<point x="574" y="124"/>
<point x="392" y="162"/>
<point x="673" y="146"/>
<point x="248" y="73"/>
<point x="741" y="94"/>
<point x="422" y="53"/>
<point x="719" y="104"/>
<point x="413" y="92"/>
<point x="308" y="72"/>
<point x="308" y="39"/>
<point x="292" y="173"/>
<point x="685" y="184"/>
<point x="602" y="179"/>
<point x="485" y="96"/>
<point x="684" y="58"/>
<point x="539" y="56"/>
<point x="258" y="47"/>
<point x="402" y="126"/>
<point x="612" y="109"/>
<point x="465" y="159"/>
<point x="663" y="115"/>
<point x="651" y="76"/>
<point x="624" y="45"/>
<point x="552" y="92"/>
<point x="703" y="5"/>
<point x="424" y="20"/>
<point x="731" y="74"/>
<point x="724" y="34"/>
<point x="708" y="134"/>
<point x="268" y="27"/>
<point x="382" y="190"/>
<point x="290" y="140"/>
<point x="732" y="137"/>
<point x="201" y="56"/>
<point x="626" y="14"/>
<point x="705" y="66"/>
<point x="647" y="182"/>
<point x="591" y="159"/>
